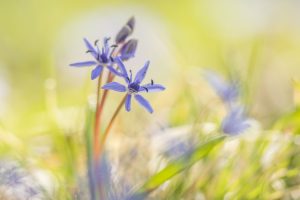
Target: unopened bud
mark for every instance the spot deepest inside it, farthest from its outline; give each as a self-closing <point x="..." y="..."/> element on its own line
<point x="126" y="30"/>
<point x="123" y="34"/>
<point x="129" y="49"/>
<point x="131" y="23"/>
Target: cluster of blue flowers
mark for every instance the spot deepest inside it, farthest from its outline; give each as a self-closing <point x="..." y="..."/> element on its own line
<point x="112" y="58"/>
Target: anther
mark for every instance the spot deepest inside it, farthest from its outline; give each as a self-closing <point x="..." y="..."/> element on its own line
<point x="111" y="58"/>
<point x="146" y="89"/>
<point x="96" y="42"/>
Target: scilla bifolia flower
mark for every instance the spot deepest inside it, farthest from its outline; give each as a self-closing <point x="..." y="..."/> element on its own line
<point x="102" y="58"/>
<point x="235" y="122"/>
<point x="134" y="87"/>
<point x="228" y="91"/>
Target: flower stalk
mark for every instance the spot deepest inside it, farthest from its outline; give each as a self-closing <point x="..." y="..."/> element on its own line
<point x="100" y="147"/>
<point x="99" y="109"/>
<point x="97" y="115"/>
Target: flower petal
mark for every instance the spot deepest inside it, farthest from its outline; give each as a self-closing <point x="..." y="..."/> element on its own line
<point x="227" y="90"/>
<point x="90" y="48"/>
<point x="123" y="69"/>
<point x="128" y="102"/>
<point x="121" y="66"/>
<point x="96" y="72"/>
<point x="114" y="86"/>
<point x="151" y="88"/>
<point x="235" y="122"/>
<point x="83" y="64"/>
<point x="144" y="102"/>
<point x="141" y="73"/>
<point x="114" y="71"/>
<point x="106" y="45"/>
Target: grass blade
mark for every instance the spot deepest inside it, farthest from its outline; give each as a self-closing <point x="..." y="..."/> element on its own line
<point x="181" y="164"/>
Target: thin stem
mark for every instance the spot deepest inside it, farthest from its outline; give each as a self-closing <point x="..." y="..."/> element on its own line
<point x="98" y="115"/>
<point x="103" y="99"/>
<point x="109" y="79"/>
<point x="99" y="88"/>
<point x="106" y="132"/>
<point x="99" y="111"/>
<point x="100" y="105"/>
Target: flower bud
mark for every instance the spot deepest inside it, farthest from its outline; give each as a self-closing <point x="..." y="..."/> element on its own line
<point x="131" y="23"/>
<point x="126" y="30"/>
<point x="129" y="49"/>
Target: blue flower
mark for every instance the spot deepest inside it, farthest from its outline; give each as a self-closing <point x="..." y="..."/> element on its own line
<point x="134" y="87"/>
<point x="112" y="186"/>
<point x="228" y="91"/>
<point x="102" y="58"/>
<point x="235" y="122"/>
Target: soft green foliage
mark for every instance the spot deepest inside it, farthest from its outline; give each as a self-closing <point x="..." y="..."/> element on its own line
<point x="181" y="164"/>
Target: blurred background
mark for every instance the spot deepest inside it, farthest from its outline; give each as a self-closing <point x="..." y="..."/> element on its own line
<point x="43" y="100"/>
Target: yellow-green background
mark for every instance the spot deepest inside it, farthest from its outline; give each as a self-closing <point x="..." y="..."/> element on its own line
<point x="43" y="99"/>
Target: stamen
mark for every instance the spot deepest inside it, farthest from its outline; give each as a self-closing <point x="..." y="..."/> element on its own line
<point x="96" y="42"/>
<point x="146" y="89"/>
<point x="88" y="51"/>
<point x="114" y="46"/>
<point x="152" y="82"/>
<point x="130" y="75"/>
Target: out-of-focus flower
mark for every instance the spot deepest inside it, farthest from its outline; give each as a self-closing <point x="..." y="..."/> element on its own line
<point x="16" y="183"/>
<point x="109" y="185"/>
<point x="134" y="87"/>
<point x="102" y="58"/>
<point x="126" y="30"/>
<point x="228" y="91"/>
<point x="235" y="122"/>
<point x="179" y="147"/>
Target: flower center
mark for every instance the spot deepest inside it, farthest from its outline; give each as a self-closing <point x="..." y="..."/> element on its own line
<point x="104" y="58"/>
<point x="133" y="88"/>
